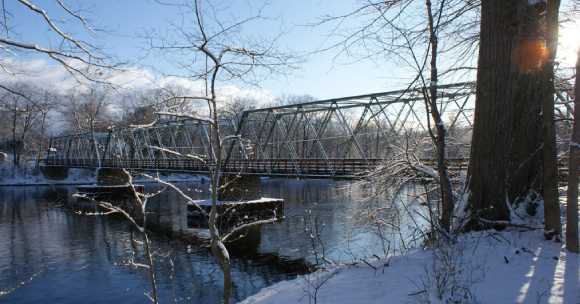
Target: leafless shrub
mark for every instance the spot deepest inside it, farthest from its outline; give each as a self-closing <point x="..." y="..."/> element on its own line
<point x="314" y="282"/>
<point x="313" y="227"/>
<point x="406" y="183"/>
<point x="450" y="276"/>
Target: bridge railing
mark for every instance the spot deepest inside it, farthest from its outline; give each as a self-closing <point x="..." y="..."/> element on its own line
<point x="285" y="167"/>
<point x="266" y="167"/>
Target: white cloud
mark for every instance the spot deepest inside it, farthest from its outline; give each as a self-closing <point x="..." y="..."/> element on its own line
<point x="37" y="72"/>
<point x="54" y="77"/>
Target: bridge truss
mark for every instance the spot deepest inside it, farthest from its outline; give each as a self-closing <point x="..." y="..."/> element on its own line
<point x="339" y="137"/>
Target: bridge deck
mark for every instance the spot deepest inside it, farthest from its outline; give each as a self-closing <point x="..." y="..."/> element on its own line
<point x="323" y="168"/>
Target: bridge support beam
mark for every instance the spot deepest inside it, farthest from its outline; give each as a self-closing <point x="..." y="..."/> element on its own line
<point x="240" y="188"/>
<point x="111" y="177"/>
<point x="54" y="172"/>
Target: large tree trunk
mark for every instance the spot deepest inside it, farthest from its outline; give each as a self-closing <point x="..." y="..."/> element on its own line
<point x="552" y="226"/>
<point x="572" y="207"/>
<point x="506" y="151"/>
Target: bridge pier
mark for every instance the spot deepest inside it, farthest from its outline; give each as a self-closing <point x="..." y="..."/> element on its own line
<point x="240" y="188"/>
<point x="111" y="177"/>
<point x="54" y="172"/>
<point x="167" y="216"/>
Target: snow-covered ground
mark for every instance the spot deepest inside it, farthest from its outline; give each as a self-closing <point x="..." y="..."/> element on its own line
<point x="27" y="176"/>
<point x="207" y="202"/>
<point x="511" y="266"/>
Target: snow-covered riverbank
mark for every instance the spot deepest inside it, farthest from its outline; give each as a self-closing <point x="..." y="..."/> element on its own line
<point x="511" y="266"/>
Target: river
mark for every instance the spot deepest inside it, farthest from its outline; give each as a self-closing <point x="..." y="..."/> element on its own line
<point x="49" y="254"/>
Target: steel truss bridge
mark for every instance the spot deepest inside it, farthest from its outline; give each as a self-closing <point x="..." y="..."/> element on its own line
<point x="334" y="138"/>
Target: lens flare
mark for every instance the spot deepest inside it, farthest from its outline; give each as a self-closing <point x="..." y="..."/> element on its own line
<point x="531" y="55"/>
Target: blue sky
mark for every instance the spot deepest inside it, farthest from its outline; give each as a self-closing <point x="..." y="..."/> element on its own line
<point x="126" y="21"/>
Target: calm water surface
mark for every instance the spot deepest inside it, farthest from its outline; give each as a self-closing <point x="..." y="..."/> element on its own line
<point x="49" y="254"/>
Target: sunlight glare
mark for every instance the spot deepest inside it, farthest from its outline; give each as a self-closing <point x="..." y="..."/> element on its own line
<point x="568" y="43"/>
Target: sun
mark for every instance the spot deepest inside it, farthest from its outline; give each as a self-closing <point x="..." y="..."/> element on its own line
<point x="568" y="43"/>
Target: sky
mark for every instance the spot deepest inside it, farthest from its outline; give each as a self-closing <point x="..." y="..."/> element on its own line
<point x="123" y="25"/>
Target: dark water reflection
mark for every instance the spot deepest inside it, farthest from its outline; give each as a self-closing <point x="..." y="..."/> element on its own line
<point x="49" y="254"/>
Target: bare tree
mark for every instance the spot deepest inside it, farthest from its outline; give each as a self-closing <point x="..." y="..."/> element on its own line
<point x="227" y="59"/>
<point x="89" y="112"/>
<point x="383" y="30"/>
<point x="138" y="219"/>
<point x="422" y="45"/>
<point x="85" y="111"/>
<point x="24" y="110"/>
<point x="24" y="115"/>
<point x="45" y="106"/>
<point x="234" y="109"/>
<point x="140" y="108"/>
<point x="81" y="58"/>
<point x="447" y="199"/>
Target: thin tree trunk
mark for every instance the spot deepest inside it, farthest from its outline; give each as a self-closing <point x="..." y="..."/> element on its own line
<point x="14" y="147"/>
<point x="151" y="265"/>
<point x="218" y="248"/>
<point x="40" y="150"/>
<point x="447" y="201"/>
<point x="572" y="204"/>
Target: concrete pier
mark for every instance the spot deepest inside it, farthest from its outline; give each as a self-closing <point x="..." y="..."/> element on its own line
<point x="233" y="214"/>
<point x="168" y="216"/>
<point x="111" y="177"/>
<point x="239" y="204"/>
<point x="54" y="172"/>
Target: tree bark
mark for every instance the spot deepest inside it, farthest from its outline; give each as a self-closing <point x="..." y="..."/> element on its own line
<point x="572" y="204"/>
<point x="552" y="224"/>
<point x="506" y="154"/>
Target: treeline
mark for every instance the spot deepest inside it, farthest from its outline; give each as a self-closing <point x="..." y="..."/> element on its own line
<point x="30" y="115"/>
